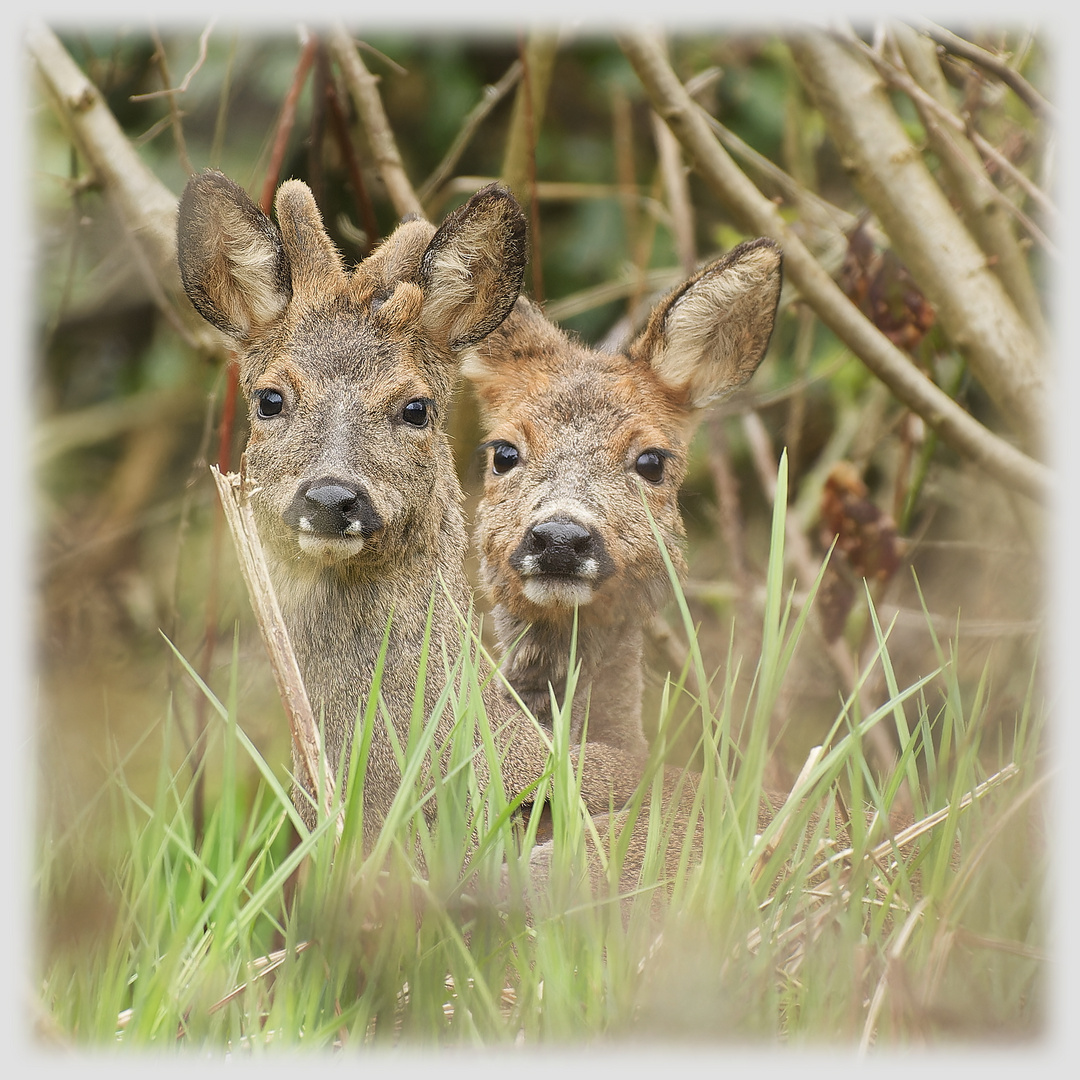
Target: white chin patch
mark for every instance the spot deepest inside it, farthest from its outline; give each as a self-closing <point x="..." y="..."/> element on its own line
<point x="557" y="592"/>
<point x="330" y="549"/>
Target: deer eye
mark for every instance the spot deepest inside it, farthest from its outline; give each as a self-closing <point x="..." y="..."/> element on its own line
<point x="417" y="412"/>
<point x="270" y="403"/>
<point x="650" y="465"/>
<point x="504" y="456"/>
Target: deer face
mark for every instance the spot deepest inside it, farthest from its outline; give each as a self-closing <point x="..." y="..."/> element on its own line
<point x="347" y="445"/>
<point x="348" y="375"/>
<point x="582" y="442"/>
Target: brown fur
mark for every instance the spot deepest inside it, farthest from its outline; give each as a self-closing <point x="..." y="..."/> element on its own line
<point x="343" y="353"/>
<point x="579" y="419"/>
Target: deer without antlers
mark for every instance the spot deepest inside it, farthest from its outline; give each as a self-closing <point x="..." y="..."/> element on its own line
<point x="348" y="377"/>
<point x="581" y="441"/>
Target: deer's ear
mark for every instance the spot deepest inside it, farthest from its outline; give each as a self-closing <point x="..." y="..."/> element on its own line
<point x="472" y="269"/>
<point x="708" y="337"/>
<point x="233" y="263"/>
<point x="310" y="251"/>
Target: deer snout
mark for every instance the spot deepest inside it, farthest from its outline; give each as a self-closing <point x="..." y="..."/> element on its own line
<point x="563" y="548"/>
<point x="328" y="511"/>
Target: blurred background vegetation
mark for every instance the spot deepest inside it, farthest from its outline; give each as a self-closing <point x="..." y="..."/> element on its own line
<point x="129" y="414"/>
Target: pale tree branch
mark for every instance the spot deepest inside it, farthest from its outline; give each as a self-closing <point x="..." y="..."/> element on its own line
<point x="971" y="303"/>
<point x="993" y="63"/>
<point x="1010" y="466"/>
<point x="363" y="87"/>
<point x="930" y="91"/>
<point x="964" y="171"/>
<point x="145" y="206"/>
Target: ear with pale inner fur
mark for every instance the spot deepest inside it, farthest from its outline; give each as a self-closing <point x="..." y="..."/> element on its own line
<point x="708" y="337"/>
<point x="311" y="253"/>
<point x="472" y="269"/>
<point x="233" y="263"/>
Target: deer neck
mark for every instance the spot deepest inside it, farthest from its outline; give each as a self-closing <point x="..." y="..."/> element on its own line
<point x="610" y="683"/>
<point x="337" y="617"/>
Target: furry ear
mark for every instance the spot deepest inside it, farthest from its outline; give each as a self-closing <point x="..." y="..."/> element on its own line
<point x="312" y="255"/>
<point x="233" y="263"/>
<point x="708" y="337"/>
<point x="472" y="269"/>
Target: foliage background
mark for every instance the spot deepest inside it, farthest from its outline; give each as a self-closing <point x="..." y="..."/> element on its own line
<point x="127" y="415"/>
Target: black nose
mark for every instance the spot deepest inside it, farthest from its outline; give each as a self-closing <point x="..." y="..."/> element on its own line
<point x="558" y="547"/>
<point x="335" y="498"/>
<point x="330" y="507"/>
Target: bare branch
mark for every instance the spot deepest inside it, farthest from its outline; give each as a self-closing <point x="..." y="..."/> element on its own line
<point x="993" y="63"/>
<point x="964" y="171"/>
<point x="309" y="46"/>
<point x="971" y="303"/>
<point x="1005" y="462"/>
<point x="204" y="37"/>
<point x="806" y="569"/>
<point x="492" y="95"/>
<point x="955" y="151"/>
<point x="364" y="90"/>
<point x="145" y="206"/>
<point x="536" y="60"/>
<point x="529" y="103"/>
<point x="678" y="192"/>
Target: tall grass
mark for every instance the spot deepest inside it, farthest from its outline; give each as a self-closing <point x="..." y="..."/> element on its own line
<point x="806" y="930"/>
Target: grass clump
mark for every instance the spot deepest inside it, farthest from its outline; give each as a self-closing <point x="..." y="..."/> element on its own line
<point x="833" y="922"/>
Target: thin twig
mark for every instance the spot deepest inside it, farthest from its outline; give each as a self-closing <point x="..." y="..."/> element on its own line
<point x="145" y="206"/>
<point x="562" y="191"/>
<point x="340" y="126"/>
<point x="669" y="154"/>
<point x="587" y="299"/>
<point x="204" y="37"/>
<point x="490" y="97"/>
<point x="287" y="119"/>
<point x="837" y="218"/>
<point x="931" y="110"/>
<point x="993" y="63"/>
<point x="622" y="133"/>
<point x="728" y="511"/>
<point x="174" y="109"/>
<point x="971" y="303"/>
<point x="967" y="173"/>
<point x="806" y="570"/>
<point x="528" y="84"/>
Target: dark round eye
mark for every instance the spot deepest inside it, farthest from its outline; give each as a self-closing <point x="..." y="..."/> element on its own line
<point x="504" y="457"/>
<point x="650" y="466"/>
<point x="270" y="403"/>
<point x="416" y="413"/>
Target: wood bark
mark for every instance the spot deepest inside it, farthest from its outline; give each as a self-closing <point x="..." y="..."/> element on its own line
<point x="972" y="305"/>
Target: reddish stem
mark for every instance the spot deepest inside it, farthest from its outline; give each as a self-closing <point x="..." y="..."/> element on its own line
<point x="285" y="123"/>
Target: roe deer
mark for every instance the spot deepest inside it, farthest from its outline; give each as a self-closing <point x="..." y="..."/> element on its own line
<point x="348" y="377"/>
<point x="577" y="438"/>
